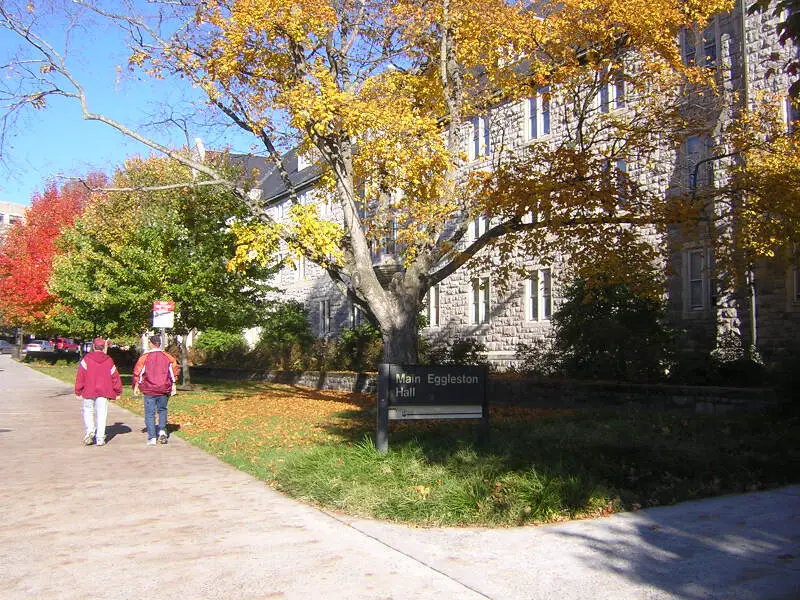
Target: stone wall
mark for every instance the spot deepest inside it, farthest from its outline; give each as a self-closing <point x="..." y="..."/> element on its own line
<point x="540" y="393"/>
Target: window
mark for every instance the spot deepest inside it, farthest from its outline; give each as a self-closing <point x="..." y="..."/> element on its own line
<point x="537" y="113"/>
<point x="389" y="242"/>
<point x="611" y="94"/>
<point x="357" y="317"/>
<point x="603" y="97"/>
<point x="325" y="316"/>
<point x="14" y="219"/>
<point x="698" y="280"/>
<point x="621" y="176"/>
<point x="699" y="149"/>
<point x="795" y="284"/>
<point x="538" y="296"/>
<point x="479" y="301"/>
<point x="300" y="269"/>
<point x="689" y="47"/>
<point x="481" y="142"/>
<point x="432" y="306"/>
<point x="706" y="45"/>
<point x="790" y="113"/>
<point x="303" y="162"/>
<point x="693" y="150"/>
<point x="619" y="90"/>
<point x="710" y="45"/>
<point x="478" y="227"/>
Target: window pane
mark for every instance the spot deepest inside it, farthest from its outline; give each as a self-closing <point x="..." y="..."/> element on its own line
<point x="696" y="294"/>
<point x="533" y="297"/>
<point x="476" y="137"/>
<point x="436" y="305"/>
<point x="485" y="305"/>
<point x="619" y="91"/>
<point x="796" y="284"/>
<point x="545" y="111"/>
<point x="689" y="47"/>
<point x="709" y="46"/>
<point x="695" y="265"/>
<point x="546" y="295"/>
<point x="604" y="98"/>
<point x="475" y="302"/>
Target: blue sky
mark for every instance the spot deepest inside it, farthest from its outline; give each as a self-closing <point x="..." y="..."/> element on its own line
<point x="55" y="142"/>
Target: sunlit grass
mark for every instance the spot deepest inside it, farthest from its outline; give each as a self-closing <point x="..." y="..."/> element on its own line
<point x="538" y="466"/>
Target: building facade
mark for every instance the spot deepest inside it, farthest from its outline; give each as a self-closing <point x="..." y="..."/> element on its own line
<point x="10" y="213"/>
<point x="747" y="58"/>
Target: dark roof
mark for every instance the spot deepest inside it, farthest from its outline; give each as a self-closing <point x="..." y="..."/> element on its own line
<point x="269" y="180"/>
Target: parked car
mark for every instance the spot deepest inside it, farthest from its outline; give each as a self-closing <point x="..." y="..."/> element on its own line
<point x="6" y="347"/>
<point x="39" y="346"/>
<point x="64" y="345"/>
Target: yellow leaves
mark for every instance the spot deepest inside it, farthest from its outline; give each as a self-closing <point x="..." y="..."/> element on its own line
<point x="255" y="243"/>
<point x="278" y="417"/>
<point x="422" y="491"/>
<point x="316" y="238"/>
<point x="306" y="234"/>
<point x="767" y="178"/>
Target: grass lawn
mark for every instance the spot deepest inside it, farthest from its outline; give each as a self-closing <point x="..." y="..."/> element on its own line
<point x="539" y="466"/>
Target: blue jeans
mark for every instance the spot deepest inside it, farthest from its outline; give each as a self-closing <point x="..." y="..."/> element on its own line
<point x="151" y="405"/>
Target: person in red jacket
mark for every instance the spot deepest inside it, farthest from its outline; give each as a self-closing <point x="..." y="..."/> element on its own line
<point x="155" y="376"/>
<point x="96" y="382"/>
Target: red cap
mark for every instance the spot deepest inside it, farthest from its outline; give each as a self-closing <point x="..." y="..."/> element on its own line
<point x="99" y="343"/>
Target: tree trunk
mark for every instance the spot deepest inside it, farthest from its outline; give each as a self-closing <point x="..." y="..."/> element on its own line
<point x="186" y="378"/>
<point x="400" y="340"/>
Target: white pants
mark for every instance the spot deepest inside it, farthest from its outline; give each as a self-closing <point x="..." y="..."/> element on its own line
<point x="95" y="408"/>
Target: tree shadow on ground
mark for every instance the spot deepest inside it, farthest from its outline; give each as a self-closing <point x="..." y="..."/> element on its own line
<point x="735" y="547"/>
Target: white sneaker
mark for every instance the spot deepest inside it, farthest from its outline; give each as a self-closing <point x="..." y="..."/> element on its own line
<point x="88" y="439"/>
<point x="101" y="442"/>
<point x="151" y="442"/>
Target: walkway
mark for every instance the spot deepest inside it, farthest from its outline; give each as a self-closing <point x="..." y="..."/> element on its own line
<point x="131" y="521"/>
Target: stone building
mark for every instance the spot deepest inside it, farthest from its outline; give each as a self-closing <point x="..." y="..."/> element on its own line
<point x="747" y="58"/>
<point x="10" y="213"/>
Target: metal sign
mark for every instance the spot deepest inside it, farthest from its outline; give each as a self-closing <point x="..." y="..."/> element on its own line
<point x="163" y="314"/>
<point x="414" y="392"/>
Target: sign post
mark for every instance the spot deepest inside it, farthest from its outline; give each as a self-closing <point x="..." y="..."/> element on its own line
<point x="163" y="318"/>
<point x="414" y="392"/>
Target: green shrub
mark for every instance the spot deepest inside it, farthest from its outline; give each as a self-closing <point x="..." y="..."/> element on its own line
<point x="222" y="348"/>
<point x="539" y="358"/>
<point x="359" y="349"/>
<point x="459" y="351"/>
<point x="217" y="341"/>
<point x="726" y="365"/>
<point x="285" y="336"/>
<point x="603" y="332"/>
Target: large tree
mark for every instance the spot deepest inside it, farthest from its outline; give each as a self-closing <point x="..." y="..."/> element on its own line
<point x="28" y="251"/>
<point x="382" y="94"/>
<point x="156" y="234"/>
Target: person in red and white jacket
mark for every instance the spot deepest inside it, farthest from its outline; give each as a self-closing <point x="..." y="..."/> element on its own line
<point x="155" y="376"/>
<point x="96" y="382"/>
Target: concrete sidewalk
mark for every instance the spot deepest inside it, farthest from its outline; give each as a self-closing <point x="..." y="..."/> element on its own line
<point x="132" y="521"/>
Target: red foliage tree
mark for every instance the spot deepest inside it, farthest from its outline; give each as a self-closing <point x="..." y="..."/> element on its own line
<point x="26" y="254"/>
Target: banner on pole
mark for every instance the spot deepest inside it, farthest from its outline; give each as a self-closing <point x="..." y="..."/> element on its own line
<point x="163" y="314"/>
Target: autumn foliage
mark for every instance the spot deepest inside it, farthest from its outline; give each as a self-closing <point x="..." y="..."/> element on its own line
<point x="26" y="255"/>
